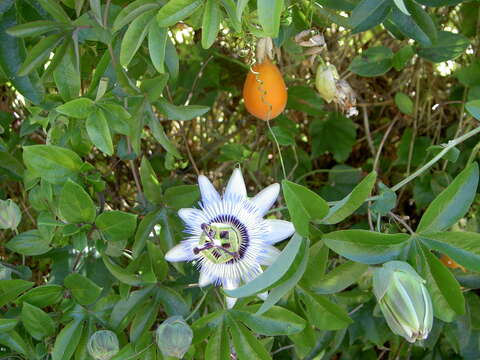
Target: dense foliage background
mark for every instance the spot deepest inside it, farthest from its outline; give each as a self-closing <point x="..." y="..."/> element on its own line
<point x="110" y="109"/>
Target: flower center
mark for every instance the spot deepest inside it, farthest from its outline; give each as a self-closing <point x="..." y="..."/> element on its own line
<point x="221" y="242"/>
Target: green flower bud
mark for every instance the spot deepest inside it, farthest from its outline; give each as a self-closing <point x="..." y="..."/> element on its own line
<point x="103" y="345"/>
<point x="404" y="300"/>
<point x="10" y="214"/>
<point x="325" y="81"/>
<point x="174" y="337"/>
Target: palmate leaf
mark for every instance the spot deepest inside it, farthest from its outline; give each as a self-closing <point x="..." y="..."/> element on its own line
<point x="273" y="274"/>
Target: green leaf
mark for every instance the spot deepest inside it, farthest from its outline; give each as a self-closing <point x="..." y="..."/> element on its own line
<point x="7" y="325"/>
<point x="274" y="272"/>
<point x="67" y="340"/>
<point x="176" y="10"/>
<point x="218" y="347"/>
<point x="56" y="10"/>
<point x="11" y="165"/>
<point x="171" y="59"/>
<point x="422" y="19"/>
<point x="452" y="203"/>
<point x="118" y="118"/>
<point x="126" y="306"/>
<point x="153" y="88"/>
<point x="116" y="225"/>
<point x="37" y="322"/>
<point x="157" y="42"/>
<point x="463" y="247"/>
<point x="368" y="14"/>
<point x="12" y="54"/>
<point x="350" y="203"/>
<point x="173" y="302"/>
<point x="448" y="46"/>
<point x="303" y="205"/>
<point x="84" y="290"/>
<point x="16" y="343"/>
<point x="387" y="200"/>
<point x="439" y="2"/>
<point x="276" y="321"/>
<point x="182" y="196"/>
<point x="323" y="313"/>
<point x="151" y="186"/>
<point x="289" y="280"/>
<point x="122" y="274"/>
<point x="78" y="108"/>
<point x="451" y="155"/>
<point x="317" y="263"/>
<point x="269" y="14"/>
<point x="364" y="246"/>
<point x="231" y="9"/>
<point x="337" y="135"/>
<point x="246" y="345"/>
<point x="182" y="112"/>
<point x="132" y="11"/>
<point x="419" y="28"/>
<point x="339" y="278"/>
<point x="144" y="230"/>
<point x="10" y="289"/>
<point x="305" y="99"/>
<point x="374" y="61"/>
<point x="67" y="78"/>
<point x="99" y="132"/>
<point x="75" y="205"/>
<point x="212" y="16"/>
<point x="447" y="297"/>
<point x="159" y="135"/>
<point x="39" y="53"/>
<point x="404" y="103"/>
<point x="134" y="36"/>
<point x="29" y="243"/>
<point x="157" y="259"/>
<point x="42" y="296"/>
<point x="402" y="57"/>
<point x="473" y="107"/>
<point x="144" y="318"/>
<point x="33" y="28"/>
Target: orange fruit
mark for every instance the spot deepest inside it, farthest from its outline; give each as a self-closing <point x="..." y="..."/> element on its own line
<point x="265" y="93"/>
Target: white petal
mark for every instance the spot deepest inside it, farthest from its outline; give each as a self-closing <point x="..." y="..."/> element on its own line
<point x="265" y="198"/>
<point x="236" y="186"/>
<point x="178" y="253"/>
<point x="230" y="284"/>
<point x="278" y="230"/>
<point x="204" y="279"/>
<point x="209" y="194"/>
<point x="263" y="295"/>
<point x="192" y="217"/>
<point x="268" y="255"/>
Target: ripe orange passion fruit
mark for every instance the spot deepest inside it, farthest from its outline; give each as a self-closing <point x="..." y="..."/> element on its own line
<point x="265" y="93"/>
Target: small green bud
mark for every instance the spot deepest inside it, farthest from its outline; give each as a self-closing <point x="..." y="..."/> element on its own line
<point x="103" y="345"/>
<point x="174" y="337"/>
<point x="10" y="214"/>
<point x="404" y="300"/>
<point x="325" y="81"/>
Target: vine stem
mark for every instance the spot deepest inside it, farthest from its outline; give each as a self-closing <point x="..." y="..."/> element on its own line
<point x="451" y="144"/>
<point x="200" y="302"/>
<point x="278" y="149"/>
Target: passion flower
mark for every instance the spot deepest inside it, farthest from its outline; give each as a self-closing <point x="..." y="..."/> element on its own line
<point x="227" y="237"/>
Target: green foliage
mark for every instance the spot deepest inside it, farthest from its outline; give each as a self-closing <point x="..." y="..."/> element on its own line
<point x="110" y="111"/>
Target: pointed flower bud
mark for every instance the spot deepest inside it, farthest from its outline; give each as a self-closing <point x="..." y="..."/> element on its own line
<point x="10" y="214"/>
<point x="325" y="81"/>
<point x="404" y="300"/>
<point x="103" y="345"/>
<point x="174" y="337"/>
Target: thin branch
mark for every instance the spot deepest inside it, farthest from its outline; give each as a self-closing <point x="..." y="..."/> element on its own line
<point x="366" y="125"/>
<point x="402" y="222"/>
